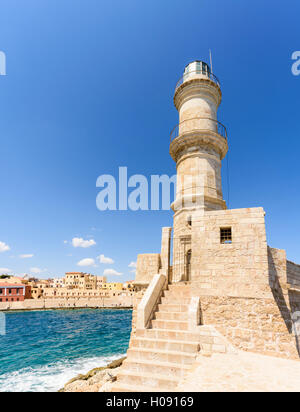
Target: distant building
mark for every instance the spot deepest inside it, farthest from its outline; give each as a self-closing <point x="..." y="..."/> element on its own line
<point x="57" y="283"/>
<point x="129" y="285"/>
<point x="14" y="292"/>
<point x="113" y="286"/>
<point x="79" y="285"/>
<point x="80" y="280"/>
<point x="37" y="287"/>
<point x="13" y="280"/>
<point x="70" y="293"/>
<point x="100" y="281"/>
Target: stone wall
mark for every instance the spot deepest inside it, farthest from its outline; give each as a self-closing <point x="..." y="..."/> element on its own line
<point x="257" y="315"/>
<point x="293" y="273"/>
<point x="244" y="285"/>
<point x="255" y="325"/>
<point x="61" y="303"/>
<point x="236" y="269"/>
<point x="148" y="265"/>
<point x="136" y="301"/>
<point x="247" y="290"/>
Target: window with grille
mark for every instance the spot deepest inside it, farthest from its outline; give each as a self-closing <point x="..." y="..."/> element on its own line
<point x="226" y="235"/>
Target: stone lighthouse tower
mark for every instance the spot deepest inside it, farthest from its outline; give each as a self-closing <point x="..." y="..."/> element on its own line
<point x="222" y="276"/>
<point x="198" y="145"/>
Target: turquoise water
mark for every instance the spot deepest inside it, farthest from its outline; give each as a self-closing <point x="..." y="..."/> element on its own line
<point x="42" y="350"/>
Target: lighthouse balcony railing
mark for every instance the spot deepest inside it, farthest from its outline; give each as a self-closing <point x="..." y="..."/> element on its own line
<point x="198" y="124"/>
<point x="197" y="74"/>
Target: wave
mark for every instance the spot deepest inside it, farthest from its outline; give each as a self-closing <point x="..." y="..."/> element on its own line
<point x="52" y="377"/>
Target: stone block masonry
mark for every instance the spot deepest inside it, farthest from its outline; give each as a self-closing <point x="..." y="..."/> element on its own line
<point x="247" y="290"/>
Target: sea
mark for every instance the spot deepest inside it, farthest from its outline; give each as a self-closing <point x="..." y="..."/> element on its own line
<point x="40" y="351"/>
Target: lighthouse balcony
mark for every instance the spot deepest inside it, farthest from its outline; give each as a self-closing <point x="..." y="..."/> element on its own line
<point x="199" y="132"/>
<point x="199" y="124"/>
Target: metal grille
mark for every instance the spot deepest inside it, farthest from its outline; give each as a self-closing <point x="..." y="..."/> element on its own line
<point x="181" y="245"/>
<point x="226" y="235"/>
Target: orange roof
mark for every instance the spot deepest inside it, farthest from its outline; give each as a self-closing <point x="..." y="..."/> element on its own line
<point x="74" y="273"/>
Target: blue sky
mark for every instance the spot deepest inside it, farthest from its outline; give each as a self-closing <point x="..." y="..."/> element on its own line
<point x="89" y="88"/>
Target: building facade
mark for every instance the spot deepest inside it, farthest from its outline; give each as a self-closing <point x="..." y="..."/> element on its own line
<point x="100" y="280"/>
<point x="80" y="280"/>
<point x="57" y="283"/>
<point x="14" y="292"/>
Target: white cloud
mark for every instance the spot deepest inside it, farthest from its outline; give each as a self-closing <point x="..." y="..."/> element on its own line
<point x="133" y="271"/>
<point x="5" y="270"/>
<point x="86" y="262"/>
<point x="107" y="260"/>
<point x="4" y="247"/>
<point x="26" y="256"/>
<point x="80" y="242"/>
<point x="36" y="270"/>
<point x="111" y="272"/>
<point x="65" y="241"/>
<point x="132" y="265"/>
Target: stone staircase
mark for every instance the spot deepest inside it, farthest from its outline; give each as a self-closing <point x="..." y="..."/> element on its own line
<point x="159" y="357"/>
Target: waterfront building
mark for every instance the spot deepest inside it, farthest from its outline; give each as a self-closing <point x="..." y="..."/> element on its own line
<point x="57" y="283"/>
<point x="113" y="286"/>
<point x="14" y="280"/>
<point x="80" y="280"/>
<point x="129" y="285"/>
<point x="14" y="292"/>
<point x="100" y="281"/>
<point x="68" y="293"/>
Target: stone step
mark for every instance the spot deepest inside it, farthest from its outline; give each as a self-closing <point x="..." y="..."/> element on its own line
<point x="172" y="335"/>
<point x="159" y="355"/>
<point x="177" y="294"/>
<point x="155" y="381"/>
<point x="175" y="299"/>
<point x="159" y="368"/>
<point x="173" y="307"/>
<point x="164" y="344"/>
<point x="179" y="287"/>
<point x="171" y="316"/>
<point x="125" y="387"/>
<point x="169" y="324"/>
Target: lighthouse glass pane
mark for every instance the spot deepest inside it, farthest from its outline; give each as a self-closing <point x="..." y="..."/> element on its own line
<point x="186" y="72"/>
<point x="198" y="67"/>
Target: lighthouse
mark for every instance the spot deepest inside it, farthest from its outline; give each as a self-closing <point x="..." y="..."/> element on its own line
<point x="215" y="272"/>
<point x="199" y="142"/>
<point x="198" y="145"/>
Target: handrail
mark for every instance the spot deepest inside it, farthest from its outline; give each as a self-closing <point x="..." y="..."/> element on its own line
<point x="209" y="75"/>
<point x="148" y="304"/>
<point x="219" y="127"/>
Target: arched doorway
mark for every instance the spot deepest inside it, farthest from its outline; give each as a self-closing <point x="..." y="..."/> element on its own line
<point x="188" y="265"/>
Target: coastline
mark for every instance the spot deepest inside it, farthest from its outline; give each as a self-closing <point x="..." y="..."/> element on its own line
<point x="97" y="379"/>
<point x="66" y="308"/>
<point x="67" y="303"/>
<point x="59" y="345"/>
